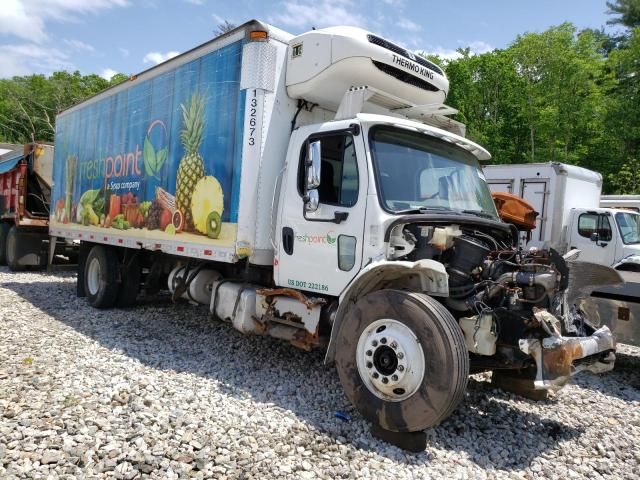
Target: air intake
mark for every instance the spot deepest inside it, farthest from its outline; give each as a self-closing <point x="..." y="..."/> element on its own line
<point x="405" y="77"/>
<point x="381" y="42"/>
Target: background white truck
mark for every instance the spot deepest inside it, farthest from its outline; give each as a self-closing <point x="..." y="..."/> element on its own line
<point x="300" y="187"/>
<point x="567" y="199"/>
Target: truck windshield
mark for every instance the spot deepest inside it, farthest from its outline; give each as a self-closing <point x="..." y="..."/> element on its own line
<point x="629" y="225"/>
<point x="418" y="172"/>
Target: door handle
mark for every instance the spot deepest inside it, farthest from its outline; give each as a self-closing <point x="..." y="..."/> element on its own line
<point x="287" y="240"/>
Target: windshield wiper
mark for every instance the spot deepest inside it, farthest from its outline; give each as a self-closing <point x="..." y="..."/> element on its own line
<point x="426" y="210"/>
<point x="479" y="213"/>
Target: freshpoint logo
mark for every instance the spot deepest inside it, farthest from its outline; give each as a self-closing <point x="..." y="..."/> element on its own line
<point x="321" y="239"/>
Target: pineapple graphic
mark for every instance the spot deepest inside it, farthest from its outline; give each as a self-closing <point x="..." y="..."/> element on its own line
<point x="191" y="168"/>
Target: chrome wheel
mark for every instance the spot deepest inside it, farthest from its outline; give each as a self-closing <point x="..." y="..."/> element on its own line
<point x="390" y="360"/>
<point x="93" y="276"/>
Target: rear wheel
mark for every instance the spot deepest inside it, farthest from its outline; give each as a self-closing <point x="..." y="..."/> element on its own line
<point x="4" y="232"/>
<point x="101" y="277"/>
<point x="13" y="250"/>
<point x="402" y="360"/>
<point x="130" y="284"/>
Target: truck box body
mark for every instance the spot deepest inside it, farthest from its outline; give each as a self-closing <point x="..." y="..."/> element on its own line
<point x="128" y="140"/>
<point x="553" y="189"/>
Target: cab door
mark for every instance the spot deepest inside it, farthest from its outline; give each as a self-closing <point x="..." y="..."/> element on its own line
<point x="321" y="251"/>
<point x="593" y="233"/>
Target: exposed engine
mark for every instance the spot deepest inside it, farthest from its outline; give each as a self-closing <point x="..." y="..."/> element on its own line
<point x="505" y="299"/>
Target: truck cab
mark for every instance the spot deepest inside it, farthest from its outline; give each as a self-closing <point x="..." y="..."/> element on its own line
<point x="372" y="171"/>
<point x="605" y="235"/>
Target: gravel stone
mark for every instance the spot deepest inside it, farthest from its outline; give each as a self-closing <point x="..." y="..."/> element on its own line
<point x="162" y="391"/>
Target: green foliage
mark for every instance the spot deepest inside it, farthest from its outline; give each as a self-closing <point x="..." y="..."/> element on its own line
<point x="627" y="179"/>
<point x="560" y="95"/>
<point x="29" y="105"/>
<point x="627" y="13"/>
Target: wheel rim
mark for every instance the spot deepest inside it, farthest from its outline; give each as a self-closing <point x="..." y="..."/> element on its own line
<point x="390" y="360"/>
<point x="93" y="276"/>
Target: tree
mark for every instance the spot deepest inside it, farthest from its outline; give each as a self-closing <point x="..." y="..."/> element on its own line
<point x="29" y="104"/>
<point x="224" y="27"/>
<point x="627" y="13"/>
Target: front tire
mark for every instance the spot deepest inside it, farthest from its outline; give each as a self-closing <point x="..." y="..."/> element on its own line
<point x="101" y="277"/>
<point x="402" y="360"/>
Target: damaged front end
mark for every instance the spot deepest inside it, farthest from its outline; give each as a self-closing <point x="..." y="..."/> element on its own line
<point x="559" y="357"/>
<point x="518" y="310"/>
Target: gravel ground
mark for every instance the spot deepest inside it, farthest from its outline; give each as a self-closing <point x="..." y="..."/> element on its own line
<point x="161" y="391"/>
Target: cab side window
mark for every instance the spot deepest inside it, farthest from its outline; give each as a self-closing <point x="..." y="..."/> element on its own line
<point x="338" y="171"/>
<point x="589" y="223"/>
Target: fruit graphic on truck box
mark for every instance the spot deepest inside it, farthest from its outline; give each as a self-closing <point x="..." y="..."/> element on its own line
<point x="156" y="152"/>
<point x="207" y="198"/>
<point x="191" y="167"/>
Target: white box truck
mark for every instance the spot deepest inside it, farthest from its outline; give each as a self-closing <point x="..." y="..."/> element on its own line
<point x="310" y="188"/>
<point x="567" y="199"/>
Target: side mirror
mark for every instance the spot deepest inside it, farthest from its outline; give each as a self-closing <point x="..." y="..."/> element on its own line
<point x="314" y="156"/>
<point x="595" y="236"/>
<point x="311" y="200"/>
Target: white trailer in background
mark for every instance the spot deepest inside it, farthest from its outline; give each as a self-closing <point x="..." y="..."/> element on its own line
<point x="628" y="202"/>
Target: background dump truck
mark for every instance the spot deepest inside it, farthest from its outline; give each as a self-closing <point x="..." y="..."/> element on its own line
<point x="311" y="188"/>
<point x="25" y="197"/>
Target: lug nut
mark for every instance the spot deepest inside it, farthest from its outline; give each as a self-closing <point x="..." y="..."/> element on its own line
<point x="394" y="345"/>
<point x="375" y="375"/>
<point x="400" y="355"/>
<point x="401" y="368"/>
<point x="385" y="380"/>
<point x="394" y="378"/>
<point x="374" y="343"/>
<point x="368" y="353"/>
<point x="369" y="364"/>
<point x="383" y="340"/>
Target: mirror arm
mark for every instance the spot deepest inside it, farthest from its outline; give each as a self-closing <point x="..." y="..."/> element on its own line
<point x="338" y="217"/>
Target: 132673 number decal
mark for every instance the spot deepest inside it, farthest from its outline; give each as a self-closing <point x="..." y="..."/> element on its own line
<point x="253" y="117"/>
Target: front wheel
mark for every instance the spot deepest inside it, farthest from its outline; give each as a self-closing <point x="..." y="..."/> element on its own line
<point x="402" y="360"/>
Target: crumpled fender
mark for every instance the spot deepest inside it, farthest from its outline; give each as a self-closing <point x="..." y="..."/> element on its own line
<point x="426" y="276"/>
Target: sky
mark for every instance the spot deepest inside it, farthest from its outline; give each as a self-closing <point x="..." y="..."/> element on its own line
<point x="129" y="36"/>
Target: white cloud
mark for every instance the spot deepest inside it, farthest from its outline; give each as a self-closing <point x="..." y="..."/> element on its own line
<point x="124" y="52"/>
<point x="195" y="2"/>
<point x="318" y="13"/>
<point x="476" y="47"/>
<point x="27" y="18"/>
<point x="479" y="47"/>
<point x="408" y="25"/>
<point x="159" y="57"/>
<point x="107" y="73"/>
<point x="79" y="45"/>
<point x="26" y="58"/>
